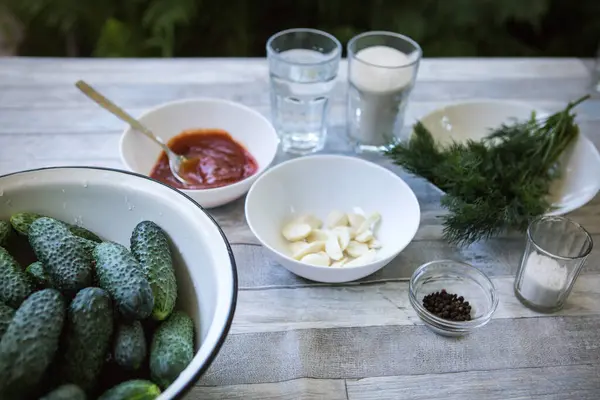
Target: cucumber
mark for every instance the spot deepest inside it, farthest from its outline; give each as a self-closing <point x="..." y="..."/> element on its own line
<point x="129" y="349"/>
<point x="5" y="232"/>
<point x="87" y="338"/>
<point x="38" y="275"/>
<point x="6" y="316"/>
<point x="150" y="246"/>
<point x="65" y="258"/>
<point x="83" y="233"/>
<point x="119" y="273"/>
<point x="30" y="343"/>
<point x="67" y="391"/>
<point x="172" y="348"/>
<point x="14" y="284"/>
<point x="22" y="221"/>
<point x="136" y="389"/>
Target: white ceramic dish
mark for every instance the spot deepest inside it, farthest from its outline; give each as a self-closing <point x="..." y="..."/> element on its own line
<point x="246" y="126"/>
<point x="319" y="184"/>
<point x="473" y="120"/>
<point x="111" y="203"/>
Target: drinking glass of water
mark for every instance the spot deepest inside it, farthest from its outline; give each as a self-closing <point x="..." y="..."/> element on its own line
<point x="382" y="68"/>
<point x="303" y="65"/>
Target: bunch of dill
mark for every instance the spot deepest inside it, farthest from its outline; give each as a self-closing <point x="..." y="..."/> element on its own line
<point x="496" y="184"/>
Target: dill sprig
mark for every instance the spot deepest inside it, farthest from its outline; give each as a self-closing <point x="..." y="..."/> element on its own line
<point x="494" y="185"/>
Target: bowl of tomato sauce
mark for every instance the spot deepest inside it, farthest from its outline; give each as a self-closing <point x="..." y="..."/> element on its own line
<point x="232" y="143"/>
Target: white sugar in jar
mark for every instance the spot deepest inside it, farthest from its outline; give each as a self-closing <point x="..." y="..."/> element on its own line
<point x="382" y="68"/>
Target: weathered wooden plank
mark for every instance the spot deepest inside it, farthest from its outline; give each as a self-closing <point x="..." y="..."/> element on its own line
<point x="16" y="95"/>
<point x="497" y="257"/>
<point x="575" y="382"/>
<point x="232" y="220"/>
<point x="79" y="147"/>
<point x="231" y="216"/>
<point x="96" y="119"/>
<point x="34" y="71"/>
<point x="93" y="147"/>
<point x="257" y="269"/>
<point x="347" y="353"/>
<point x="378" y="305"/>
<point x="103" y="144"/>
<point x="7" y="167"/>
<point x="297" y="389"/>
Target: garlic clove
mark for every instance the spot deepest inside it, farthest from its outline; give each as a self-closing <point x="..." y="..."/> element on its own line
<point x="356" y="249"/>
<point x="343" y="235"/>
<point x="366" y="258"/>
<point x="309" y="248"/>
<point x="364" y="237"/>
<point x="358" y="210"/>
<point x="369" y="223"/>
<point x="317" y="235"/>
<point x="374" y="244"/>
<point x="336" y="218"/>
<point x="340" y="263"/>
<point x="356" y="220"/>
<point x="296" y="246"/>
<point x="319" y="259"/>
<point x="311" y="220"/>
<point x="332" y="247"/>
<point x="294" y="231"/>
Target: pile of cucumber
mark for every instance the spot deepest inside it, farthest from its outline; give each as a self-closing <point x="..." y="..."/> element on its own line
<point x="89" y="318"/>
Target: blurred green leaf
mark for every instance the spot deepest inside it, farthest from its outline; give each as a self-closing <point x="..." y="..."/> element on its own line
<point x="116" y="40"/>
<point x="162" y="17"/>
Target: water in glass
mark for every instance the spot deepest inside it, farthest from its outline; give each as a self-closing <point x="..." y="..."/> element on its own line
<point x="302" y="76"/>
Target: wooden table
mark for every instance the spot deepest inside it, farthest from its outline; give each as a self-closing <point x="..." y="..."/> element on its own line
<point x="294" y="339"/>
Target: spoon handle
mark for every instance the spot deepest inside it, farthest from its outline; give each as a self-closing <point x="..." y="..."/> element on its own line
<point x="119" y="112"/>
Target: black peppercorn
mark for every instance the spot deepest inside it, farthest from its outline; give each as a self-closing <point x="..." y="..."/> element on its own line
<point x="449" y="306"/>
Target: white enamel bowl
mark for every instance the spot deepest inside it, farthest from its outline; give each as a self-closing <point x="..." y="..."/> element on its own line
<point x="245" y="125"/>
<point x="320" y="184"/>
<point x="580" y="181"/>
<point x="111" y="203"/>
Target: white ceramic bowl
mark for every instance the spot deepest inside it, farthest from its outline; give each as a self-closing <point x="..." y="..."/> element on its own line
<point x="319" y="184"/>
<point x="473" y="120"/>
<point x="111" y="203"/>
<point x="245" y="125"/>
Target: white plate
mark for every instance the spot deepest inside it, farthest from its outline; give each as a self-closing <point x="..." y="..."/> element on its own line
<point x="580" y="180"/>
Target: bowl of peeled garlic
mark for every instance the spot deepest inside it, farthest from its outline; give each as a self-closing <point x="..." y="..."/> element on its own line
<point x="332" y="218"/>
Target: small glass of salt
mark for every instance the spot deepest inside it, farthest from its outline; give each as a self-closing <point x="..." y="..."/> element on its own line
<point x="382" y="68"/>
<point x="556" y="250"/>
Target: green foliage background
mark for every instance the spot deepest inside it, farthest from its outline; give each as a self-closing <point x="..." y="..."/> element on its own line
<point x="239" y="28"/>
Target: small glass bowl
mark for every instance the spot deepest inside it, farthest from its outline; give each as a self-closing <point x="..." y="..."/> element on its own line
<point x="458" y="278"/>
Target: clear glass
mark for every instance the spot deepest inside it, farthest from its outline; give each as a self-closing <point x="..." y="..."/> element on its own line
<point x="556" y="251"/>
<point x="459" y="278"/>
<point x="382" y="68"/>
<point x="303" y="65"/>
